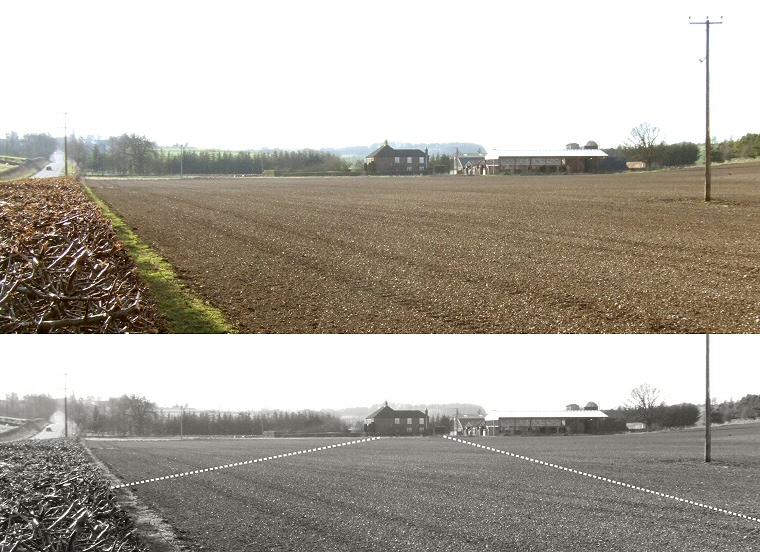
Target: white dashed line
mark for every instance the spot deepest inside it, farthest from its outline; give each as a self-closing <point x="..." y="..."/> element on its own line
<point x="246" y="462"/>
<point x="612" y="481"/>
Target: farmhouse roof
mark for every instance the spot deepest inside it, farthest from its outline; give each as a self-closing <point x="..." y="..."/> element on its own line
<point x="387" y="151"/>
<point x="566" y="414"/>
<point x="388" y="412"/>
<point x="379" y="412"/>
<point x="496" y="154"/>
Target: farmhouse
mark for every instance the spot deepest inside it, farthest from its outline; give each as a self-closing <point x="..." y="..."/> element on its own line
<point x="387" y="421"/>
<point x="388" y="160"/>
<point x="571" y="420"/>
<point x="572" y="159"/>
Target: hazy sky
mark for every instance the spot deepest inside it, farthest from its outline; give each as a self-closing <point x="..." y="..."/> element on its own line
<point x="287" y="74"/>
<point x="504" y="372"/>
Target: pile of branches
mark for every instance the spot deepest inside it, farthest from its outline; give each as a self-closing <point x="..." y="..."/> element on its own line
<point x="62" y="268"/>
<point x="52" y="498"/>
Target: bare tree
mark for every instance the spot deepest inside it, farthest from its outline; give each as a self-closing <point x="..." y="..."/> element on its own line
<point x="643" y="141"/>
<point x="141" y="413"/>
<point x="644" y="401"/>
<point x="140" y="151"/>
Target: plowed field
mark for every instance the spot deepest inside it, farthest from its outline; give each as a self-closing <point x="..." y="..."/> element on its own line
<point x="629" y="253"/>
<point x="439" y="495"/>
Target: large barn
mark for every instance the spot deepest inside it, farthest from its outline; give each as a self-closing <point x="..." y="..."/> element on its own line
<point x="569" y="421"/>
<point x="572" y="159"/>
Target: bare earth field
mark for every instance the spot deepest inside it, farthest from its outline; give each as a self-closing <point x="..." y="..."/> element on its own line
<point x="628" y="253"/>
<point x="439" y="495"/>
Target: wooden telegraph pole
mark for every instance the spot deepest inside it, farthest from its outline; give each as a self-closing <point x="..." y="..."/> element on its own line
<point x="707" y="24"/>
<point x="65" y="406"/>
<point x="65" y="148"/>
<point x="707" y="398"/>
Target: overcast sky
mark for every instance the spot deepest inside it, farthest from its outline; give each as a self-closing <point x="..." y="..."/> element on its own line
<point x="292" y="74"/>
<point x="505" y="372"/>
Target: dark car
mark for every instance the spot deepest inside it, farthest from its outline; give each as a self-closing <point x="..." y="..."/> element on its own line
<point x="48" y="168"/>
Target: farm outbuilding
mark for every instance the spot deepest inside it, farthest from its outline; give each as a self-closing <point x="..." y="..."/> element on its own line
<point x="572" y="159"/>
<point x="469" y="163"/>
<point x="388" y="421"/>
<point x="548" y="422"/>
<point x="469" y="424"/>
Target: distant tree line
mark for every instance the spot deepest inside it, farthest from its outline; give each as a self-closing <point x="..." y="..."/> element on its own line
<point x="748" y="146"/>
<point x="135" y="415"/>
<point x="137" y="155"/>
<point x="644" y="406"/>
<point x="28" y="145"/>
<point x="643" y="145"/>
<point x="746" y="408"/>
<point x="29" y="407"/>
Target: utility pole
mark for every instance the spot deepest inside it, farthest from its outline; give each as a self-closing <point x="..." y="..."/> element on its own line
<point x="708" y="139"/>
<point x="65" y="149"/>
<point x="65" y="407"/>
<point x="708" y="421"/>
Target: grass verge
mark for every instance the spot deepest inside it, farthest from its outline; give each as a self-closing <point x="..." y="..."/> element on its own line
<point x="182" y="312"/>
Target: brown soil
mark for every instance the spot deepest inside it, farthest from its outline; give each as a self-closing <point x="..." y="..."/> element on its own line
<point x="629" y="253"/>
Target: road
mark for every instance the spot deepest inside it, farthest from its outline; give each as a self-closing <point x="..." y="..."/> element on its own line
<point x="57" y="167"/>
<point x="56" y="427"/>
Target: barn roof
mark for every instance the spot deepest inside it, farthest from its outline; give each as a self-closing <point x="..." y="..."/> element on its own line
<point x="566" y="414"/>
<point x="496" y="154"/>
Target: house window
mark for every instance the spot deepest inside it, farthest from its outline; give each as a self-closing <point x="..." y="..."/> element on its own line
<point x="408" y="429"/>
<point x="422" y="160"/>
<point x="422" y="421"/>
<point x="397" y="421"/>
<point x="409" y="168"/>
<point x="398" y="160"/>
<point x="408" y="421"/>
<point x="408" y="160"/>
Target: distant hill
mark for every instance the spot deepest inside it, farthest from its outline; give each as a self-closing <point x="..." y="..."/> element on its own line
<point x="433" y="149"/>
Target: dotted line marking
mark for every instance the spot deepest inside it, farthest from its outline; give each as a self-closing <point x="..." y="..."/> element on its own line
<point x="246" y="462"/>
<point x="608" y="480"/>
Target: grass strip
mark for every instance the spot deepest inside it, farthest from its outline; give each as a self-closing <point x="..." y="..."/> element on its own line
<point x="182" y="312"/>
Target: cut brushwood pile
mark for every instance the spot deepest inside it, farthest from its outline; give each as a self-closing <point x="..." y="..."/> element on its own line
<point x="53" y="498"/>
<point x="62" y="268"/>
